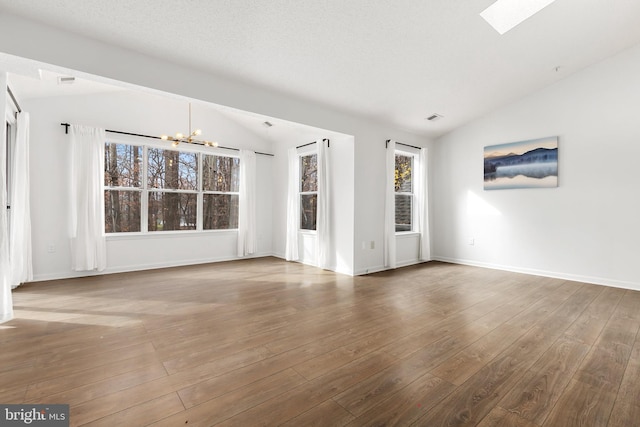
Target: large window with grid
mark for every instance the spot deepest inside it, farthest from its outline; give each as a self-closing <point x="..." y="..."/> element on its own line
<point x="151" y="189"/>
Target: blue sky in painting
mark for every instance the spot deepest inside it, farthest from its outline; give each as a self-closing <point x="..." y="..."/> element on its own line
<point x="520" y="146"/>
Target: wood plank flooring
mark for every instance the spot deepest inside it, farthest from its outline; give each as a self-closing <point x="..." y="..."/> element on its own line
<point x="267" y="342"/>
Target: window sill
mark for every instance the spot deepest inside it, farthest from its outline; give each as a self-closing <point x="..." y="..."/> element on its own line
<point x="407" y="234"/>
<point x="308" y="232"/>
<point x="166" y="234"/>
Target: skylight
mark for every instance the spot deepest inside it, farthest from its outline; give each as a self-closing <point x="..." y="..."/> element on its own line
<point x="503" y="15"/>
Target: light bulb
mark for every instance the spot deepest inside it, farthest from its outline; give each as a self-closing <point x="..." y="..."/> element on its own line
<point x="214" y="144"/>
<point x="164" y="137"/>
<point x="179" y="135"/>
<point x="197" y="132"/>
<point x="175" y="143"/>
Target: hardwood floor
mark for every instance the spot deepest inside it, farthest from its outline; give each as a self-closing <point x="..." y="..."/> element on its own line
<point x="266" y="342"/>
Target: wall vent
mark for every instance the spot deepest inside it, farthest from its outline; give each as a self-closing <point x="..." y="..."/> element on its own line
<point x="66" y="80"/>
<point x="434" y="117"/>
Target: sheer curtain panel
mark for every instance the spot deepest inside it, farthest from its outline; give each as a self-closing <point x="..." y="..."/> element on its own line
<point x="20" y="242"/>
<point x="6" y="303"/>
<point x="390" y="207"/>
<point x="88" y="243"/>
<point x="323" y="225"/>
<point x="422" y="193"/>
<point x="247" y="241"/>
<point x="293" y="206"/>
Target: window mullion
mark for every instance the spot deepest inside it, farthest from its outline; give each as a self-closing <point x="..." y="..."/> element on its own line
<point x="144" y="202"/>
<point x="200" y="196"/>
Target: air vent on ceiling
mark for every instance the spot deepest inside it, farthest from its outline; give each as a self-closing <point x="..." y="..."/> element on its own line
<point x="66" y="80"/>
<point x="434" y="117"/>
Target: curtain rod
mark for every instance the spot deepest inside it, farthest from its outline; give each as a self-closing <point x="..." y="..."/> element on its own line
<point x="66" y="131"/>
<point x="314" y="142"/>
<point x="13" y="98"/>
<point x="386" y="145"/>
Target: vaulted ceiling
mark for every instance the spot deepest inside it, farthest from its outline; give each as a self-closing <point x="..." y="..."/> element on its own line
<point x="393" y="61"/>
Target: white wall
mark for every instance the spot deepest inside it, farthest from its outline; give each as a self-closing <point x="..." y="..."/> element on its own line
<point x="341" y="160"/>
<point x="370" y="189"/>
<point x="136" y="113"/>
<point x="587" y="228"/>
<point x="361" y="217"/>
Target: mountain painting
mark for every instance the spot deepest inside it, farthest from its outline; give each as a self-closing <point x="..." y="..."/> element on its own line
<point x="524" y="164"/>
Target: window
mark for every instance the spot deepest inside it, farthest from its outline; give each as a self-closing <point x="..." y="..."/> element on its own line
<point x="149" y="189"/>
<point x="172" y="179"/>
<point x="122" y="180"/>
<point x="404" y="192"/>
<point x="7" y="159"/>
<point x="221" y="181"/>
<point x="308" y="191"/>
<point x="10" y="134"/>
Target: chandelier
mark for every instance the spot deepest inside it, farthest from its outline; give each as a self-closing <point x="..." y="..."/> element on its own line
<point x="189" y="138"/>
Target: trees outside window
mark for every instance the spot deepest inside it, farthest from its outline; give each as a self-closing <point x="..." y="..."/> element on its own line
<point x="221" y="186"/>
<point x="122" y="180"/>
<point x="149" y="189"/>
<point x="173" y="189"/>
<point x="404" y="193"/>
<point x="308" y="191"/>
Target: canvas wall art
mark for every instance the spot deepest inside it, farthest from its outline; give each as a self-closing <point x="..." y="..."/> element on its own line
<point x="523" y="164"/>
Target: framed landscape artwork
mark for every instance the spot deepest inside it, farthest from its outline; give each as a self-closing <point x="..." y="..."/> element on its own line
<point x="524" y="164"/>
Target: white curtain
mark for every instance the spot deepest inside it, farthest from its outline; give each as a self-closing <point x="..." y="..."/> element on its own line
<point x="20" y="246"/>
<point x="390" y="207"/>
<point x="88" y="245"/>
<point x="6" y="303"/>
<point x="323" y="228"/>
<point x="422" y="194"/>
<point x="247" y="240"/>
<point x="293" y="206"/>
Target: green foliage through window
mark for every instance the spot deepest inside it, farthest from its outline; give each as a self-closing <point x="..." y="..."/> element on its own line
<point x="404" y="192"/>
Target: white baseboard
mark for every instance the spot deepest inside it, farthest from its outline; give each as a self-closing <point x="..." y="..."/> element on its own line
<point x="348" y="272"/>
<point x="407" y="263"/>
<point x="370" y="270"/>
<point x="379" y="268"/>
<point x="139" y="267"/>
<point x="154" y="266"/>
<point x="604" y="281"/>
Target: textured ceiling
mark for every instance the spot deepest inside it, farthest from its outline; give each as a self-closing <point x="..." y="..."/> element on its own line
<point x="394" y="61"/>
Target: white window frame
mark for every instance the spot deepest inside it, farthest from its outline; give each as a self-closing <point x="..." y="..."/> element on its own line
<point x="202" y="191"/>
<point x="148" y="190"/>
<point x="145" y="190"/>
<point x="310" y="151"/>
<point x="415" y="164"/>
<point x="140" y="189"/>
<point x="10" y="135"/>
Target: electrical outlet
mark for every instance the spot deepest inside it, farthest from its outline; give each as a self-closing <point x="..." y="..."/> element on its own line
<point x="372" y="244"/>
<point x="51" y="248"/>
<point x="472" y="241"/>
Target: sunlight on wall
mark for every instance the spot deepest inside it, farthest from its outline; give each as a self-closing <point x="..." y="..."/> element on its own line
<point x="479" y="223"/>
<point x="476" y="206"/>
